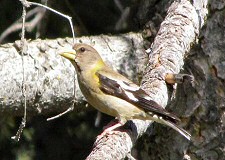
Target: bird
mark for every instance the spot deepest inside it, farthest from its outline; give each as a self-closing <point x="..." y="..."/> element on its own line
<point x="113" y="94"/>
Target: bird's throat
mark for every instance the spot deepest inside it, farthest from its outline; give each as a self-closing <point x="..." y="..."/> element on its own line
<point x="97" y="66"/>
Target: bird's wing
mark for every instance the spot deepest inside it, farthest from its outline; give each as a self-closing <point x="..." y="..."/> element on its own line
<point x="119" y="86"/>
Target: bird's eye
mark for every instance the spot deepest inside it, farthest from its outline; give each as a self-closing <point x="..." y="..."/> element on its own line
<point x="82" y="49"/>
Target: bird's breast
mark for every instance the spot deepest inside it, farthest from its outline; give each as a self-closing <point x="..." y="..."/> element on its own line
<point x="110" y="105"/>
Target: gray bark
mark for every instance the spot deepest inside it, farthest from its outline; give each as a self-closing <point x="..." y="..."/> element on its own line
<point x="201" y="106"/>
<point x="49" y="78"/>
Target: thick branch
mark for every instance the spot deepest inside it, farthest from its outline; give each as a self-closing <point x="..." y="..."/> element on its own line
<point x="49" y="78"/>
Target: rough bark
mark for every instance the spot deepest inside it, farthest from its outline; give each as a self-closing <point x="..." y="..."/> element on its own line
<point x="49" y="78"/>
<point x="201" y="106"/>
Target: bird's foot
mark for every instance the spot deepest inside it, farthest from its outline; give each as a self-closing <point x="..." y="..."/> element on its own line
<point x="108" y="129"/>
<point x="109" y="126"/>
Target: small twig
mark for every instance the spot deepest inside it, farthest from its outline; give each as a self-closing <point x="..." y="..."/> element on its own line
<point x="119" y="5"/>
<point x="123" y="18"/>
<point x="74" y="90"/>
<point x="26" y="3"/>
<point x="130" y="157"/>
<point x="17" y="25"/>
<point x="171" y="78"/>
<point x="57" y="12"/>
<point x="98" y="118"/>
<point x="61" y="114"/>
<point x="23" y="45"/>
<point x="71" y="108"/>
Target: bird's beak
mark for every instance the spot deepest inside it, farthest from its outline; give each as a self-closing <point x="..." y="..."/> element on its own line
<point x="69" y="54"/>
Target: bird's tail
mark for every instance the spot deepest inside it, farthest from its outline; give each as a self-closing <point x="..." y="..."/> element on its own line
<point x="177" y="128"/>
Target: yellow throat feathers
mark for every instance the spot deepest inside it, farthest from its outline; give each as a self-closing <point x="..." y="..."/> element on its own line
<point x="99" y="65"/>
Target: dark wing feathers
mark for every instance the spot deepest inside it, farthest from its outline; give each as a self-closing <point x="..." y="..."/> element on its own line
<point x="155" y="108"/>
<point x="141" y="100"/>
<point x="111" y="87"/>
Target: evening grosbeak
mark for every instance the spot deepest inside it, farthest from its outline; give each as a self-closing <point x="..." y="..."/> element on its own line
<point x="113" y="94"/>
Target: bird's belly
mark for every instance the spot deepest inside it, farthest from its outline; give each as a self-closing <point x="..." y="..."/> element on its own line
<point x="112" y="105"/>
<point x="116" y="107"/>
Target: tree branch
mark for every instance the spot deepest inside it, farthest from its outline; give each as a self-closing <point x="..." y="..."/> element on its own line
<point x="49" y="78"/>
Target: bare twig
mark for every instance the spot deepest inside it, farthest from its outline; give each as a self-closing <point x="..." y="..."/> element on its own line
<point x="33" y="23"/>
<point x="28" y="25"/>
<point x="121" y="23"/>
<point x="61" y="114"/>
<point x="59" y="13"/>
<point x="119" y="5"/>
<point x="23" y="45"/>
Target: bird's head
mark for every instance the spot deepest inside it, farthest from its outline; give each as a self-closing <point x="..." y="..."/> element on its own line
<point x="83" y="57"/>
